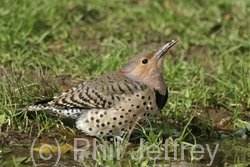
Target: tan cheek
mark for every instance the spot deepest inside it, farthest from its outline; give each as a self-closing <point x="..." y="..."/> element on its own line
<point x="140" y="71"/>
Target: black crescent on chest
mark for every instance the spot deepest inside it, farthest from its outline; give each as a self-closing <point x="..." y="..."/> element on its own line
<point x="161" y="99"/>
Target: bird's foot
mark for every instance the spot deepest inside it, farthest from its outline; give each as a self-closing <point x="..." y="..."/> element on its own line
<point x="118" y="138"/>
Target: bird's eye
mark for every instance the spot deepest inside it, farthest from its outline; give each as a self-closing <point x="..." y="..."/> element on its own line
<point x="144" y="61"/>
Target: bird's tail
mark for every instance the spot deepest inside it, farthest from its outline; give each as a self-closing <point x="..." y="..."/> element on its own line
<point x="68" y="112"/>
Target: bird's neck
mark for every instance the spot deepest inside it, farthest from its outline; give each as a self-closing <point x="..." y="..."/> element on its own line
<point x="155" y="82"/>
<point x="158" y="84"/>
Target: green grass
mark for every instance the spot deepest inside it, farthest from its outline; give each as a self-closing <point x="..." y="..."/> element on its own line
<point x="207" y="69"/>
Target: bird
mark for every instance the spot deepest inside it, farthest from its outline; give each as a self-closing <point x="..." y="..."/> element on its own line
<point x="115" y="102"/>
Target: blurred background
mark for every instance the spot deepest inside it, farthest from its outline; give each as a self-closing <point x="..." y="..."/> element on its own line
<point x="48" y="46"/>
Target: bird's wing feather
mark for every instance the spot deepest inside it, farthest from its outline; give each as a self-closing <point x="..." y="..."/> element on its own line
<point x="98" y="93"/>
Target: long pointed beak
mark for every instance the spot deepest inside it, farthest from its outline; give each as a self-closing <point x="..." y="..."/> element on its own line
<point x="161" y="52"/>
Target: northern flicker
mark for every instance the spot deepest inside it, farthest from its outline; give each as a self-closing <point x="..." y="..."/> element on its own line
<point x="113" y="103"/>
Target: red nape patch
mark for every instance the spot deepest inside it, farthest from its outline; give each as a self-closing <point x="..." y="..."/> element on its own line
<point x="123" y="72"/>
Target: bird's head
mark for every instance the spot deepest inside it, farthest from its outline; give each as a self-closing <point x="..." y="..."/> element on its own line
<point x="147" y="68"/>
